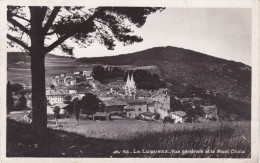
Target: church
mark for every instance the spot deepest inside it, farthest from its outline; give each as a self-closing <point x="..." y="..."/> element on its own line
<point x="130" y="87"/>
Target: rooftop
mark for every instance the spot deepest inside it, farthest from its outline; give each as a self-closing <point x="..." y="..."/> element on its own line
<point x="148" y="114"/>
<point x="101" y="114"/>
<point x="159" y="94"/>
<point x="185" y="99"/>
<point x="129" y="108"/>
<point x="209" y="107"/>
<point x="61" y="105"/>
<point x="104" y="94"/>
<point x="179" y="113"/>
<point x="195" y="99"/>
<point x="114" y="103"/>
<point x="55" y="92"/>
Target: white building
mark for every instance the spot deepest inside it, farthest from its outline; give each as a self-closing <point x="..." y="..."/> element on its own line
<point x="87" y="74"/>
<point x="69" y="81"/>
<point x="55" y="96"/>
<point x="72" y="91"/>
<point x="178" y="116"/>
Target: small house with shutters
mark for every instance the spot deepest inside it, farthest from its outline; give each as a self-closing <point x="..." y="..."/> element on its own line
<point x="55" y="96"/>
<point x="178" y="116"/>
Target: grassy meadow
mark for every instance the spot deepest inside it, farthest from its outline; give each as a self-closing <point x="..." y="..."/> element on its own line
<point x="129" y="138"/>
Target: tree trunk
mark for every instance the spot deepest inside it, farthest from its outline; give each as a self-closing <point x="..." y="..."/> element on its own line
<point x="39" y="102"/>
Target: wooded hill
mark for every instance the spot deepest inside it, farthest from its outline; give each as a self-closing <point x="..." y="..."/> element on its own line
<point x="183" y="70"/>
<point x="180" y="67"/>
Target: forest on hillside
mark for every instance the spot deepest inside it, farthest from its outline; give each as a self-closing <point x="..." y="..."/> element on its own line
<point x="143" y="79"/>
<point x="180" y="66"/>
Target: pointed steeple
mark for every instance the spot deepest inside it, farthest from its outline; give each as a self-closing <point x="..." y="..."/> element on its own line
<point x="128" y="80"/>
<point x="133" y="81"/>
<point x="130" y="87"/>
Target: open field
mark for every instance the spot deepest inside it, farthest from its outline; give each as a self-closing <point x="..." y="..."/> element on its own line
<point x="21" y="75"/>
<point x="104" y="138"/>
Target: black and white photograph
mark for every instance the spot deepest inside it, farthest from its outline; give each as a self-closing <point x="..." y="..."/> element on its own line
<point x="126" y="81"/>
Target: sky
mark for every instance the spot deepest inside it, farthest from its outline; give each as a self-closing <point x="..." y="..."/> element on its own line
<point x="224" y="33"/>
<point x="220" y="32"/>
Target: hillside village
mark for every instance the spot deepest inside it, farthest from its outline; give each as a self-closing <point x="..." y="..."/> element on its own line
<point x="121" y="99"/>
<point x="123" y="81"/>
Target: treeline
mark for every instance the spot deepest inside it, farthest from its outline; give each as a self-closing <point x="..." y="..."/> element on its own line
<point x="11" y="105"/>
<point x="101" y="73"/>
<point x="228" y="109"/>
<point x="89" y="104"/>
<point x="231" y="106"/>
<point x="143" y="79"/>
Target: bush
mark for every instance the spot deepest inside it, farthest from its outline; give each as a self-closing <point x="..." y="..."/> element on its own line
<point x="157" y="116"/>
<point x="168" y="120"/>
<point x="21" y="104"/>
<point x="188" y="119"/>
<point x="56" y="111"/>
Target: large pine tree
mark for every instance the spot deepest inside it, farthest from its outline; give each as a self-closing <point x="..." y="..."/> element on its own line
<point x="84" y="26"/>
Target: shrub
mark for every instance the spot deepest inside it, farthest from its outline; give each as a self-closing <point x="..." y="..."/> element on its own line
<point x="157" y="116"/>
<point x="168" y="120"/>
<point x="56" y="111"/>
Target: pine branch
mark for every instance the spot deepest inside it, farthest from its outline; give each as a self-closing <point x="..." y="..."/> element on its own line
<point x="57" y="43"/>
<point x="66" y="36"/>
<point x="19" y="42"/>
<point x="17" y="24"/>
<point x="21" y="17"/>
<point x="51" y="19"/>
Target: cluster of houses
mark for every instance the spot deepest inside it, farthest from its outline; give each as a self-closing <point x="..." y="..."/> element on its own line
<point x="124" y="99"/>
<point x="120" y="98"/>
<point x="77" y="78"/>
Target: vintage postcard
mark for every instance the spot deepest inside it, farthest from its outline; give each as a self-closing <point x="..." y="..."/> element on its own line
<point x="128" y="80"/>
